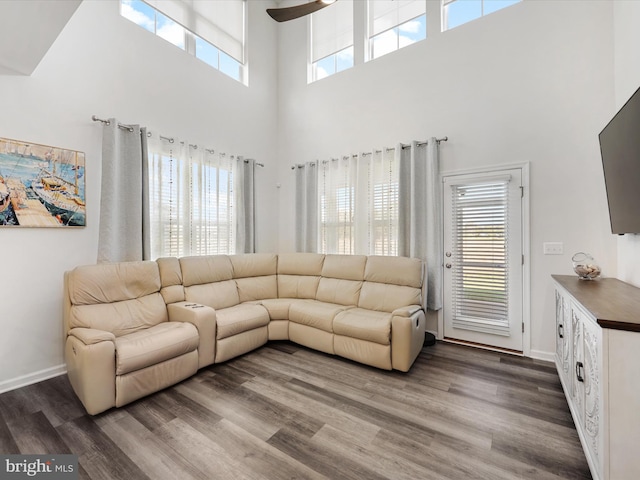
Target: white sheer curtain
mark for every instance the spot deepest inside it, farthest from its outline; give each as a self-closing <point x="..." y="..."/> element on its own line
<point x="420" y="201"/>
<point x="123" y="232"/>
<point x="348" y="205"/>
<point x="192" y="203"/>
<point x="306" y="221"/>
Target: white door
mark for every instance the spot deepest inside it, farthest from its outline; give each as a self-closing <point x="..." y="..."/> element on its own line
<point x="483" y="258"/>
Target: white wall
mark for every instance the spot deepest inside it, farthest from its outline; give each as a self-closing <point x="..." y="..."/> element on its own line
<point x="104" y="64"/>
<point x="627" y="81"/>
<point x="531" y="83"/>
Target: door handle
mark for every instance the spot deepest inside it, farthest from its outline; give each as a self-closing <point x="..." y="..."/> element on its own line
<point x="560" y="331"/>
<point x="580" y="371"/>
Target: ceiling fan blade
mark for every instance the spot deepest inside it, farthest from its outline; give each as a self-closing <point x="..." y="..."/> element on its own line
<point x="297" y="11"/>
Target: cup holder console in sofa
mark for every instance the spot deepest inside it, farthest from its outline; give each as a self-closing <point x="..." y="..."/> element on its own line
<point x="136" y="327"/>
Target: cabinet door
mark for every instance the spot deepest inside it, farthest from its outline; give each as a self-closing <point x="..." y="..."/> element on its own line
<point x="567" y="344"/>
<point x="559" y="329"/>
<point x="564" y="361"/>
<point x="577" y="377"/>
<point x="593" y="394"/>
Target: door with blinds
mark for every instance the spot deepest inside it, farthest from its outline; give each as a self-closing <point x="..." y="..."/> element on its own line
<point x="483" y="260"/>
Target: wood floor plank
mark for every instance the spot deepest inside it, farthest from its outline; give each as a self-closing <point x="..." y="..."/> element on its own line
<point x="383" y="462"/>
<point x="34" y="434"/>
<point x="286" y="411"/>
<point x="324" y="461"/>
<point x="8" y="444"/>
<point x="203" y="453"/>
<point x="260" y="457"/>
<point x="98" y="454"/>
<point x="146" y="450"/>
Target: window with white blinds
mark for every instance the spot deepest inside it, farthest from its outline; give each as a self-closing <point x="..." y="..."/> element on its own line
<point x="480" y="249"/>
<point x="220" y="23"/>
<point x="191" y="201"/>
<point x="394" y="24"/>
<point x="358" y="204"/>
<point x="212" y="31"/>
<point x="331" y="39"/>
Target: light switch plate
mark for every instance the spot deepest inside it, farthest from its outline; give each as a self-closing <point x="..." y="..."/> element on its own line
<point x="553" y="248"/>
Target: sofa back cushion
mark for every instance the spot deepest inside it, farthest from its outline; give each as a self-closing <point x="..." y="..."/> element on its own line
<point x="255" y="275"/>
<point x="208" y="280"/>
<point x="299" y="274"/>
<point x="390" y="283"/>
<point x="171" y="279"/>
<point x="119" y="298"/>
<point x="341" y="280"/>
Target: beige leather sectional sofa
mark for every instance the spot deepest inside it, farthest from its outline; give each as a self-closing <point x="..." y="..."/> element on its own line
<point x="134" y="328"/>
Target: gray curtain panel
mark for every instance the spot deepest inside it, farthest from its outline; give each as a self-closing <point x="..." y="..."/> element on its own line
<point x="306" y="221"/>
<point x="124" y="218"/>
<point x="420" y="206"/>
<point x="245" y="205"/>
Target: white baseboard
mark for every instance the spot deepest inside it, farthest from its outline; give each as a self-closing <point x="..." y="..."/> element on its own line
<point x="31" y="378"/>
<point x="542" y="355"/>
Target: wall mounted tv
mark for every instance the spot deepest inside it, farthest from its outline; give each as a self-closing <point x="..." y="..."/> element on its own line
<point x="620" y="150"/>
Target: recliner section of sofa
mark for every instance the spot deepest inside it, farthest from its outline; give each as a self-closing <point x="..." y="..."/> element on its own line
<point x="134" y="328"/>
<point x="120" y="345"/>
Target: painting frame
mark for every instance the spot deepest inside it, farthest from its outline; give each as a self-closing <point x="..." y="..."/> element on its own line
<point x="41" y="185"/>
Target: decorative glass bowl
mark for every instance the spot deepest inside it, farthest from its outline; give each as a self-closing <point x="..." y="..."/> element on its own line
<point x="585" y="266"/>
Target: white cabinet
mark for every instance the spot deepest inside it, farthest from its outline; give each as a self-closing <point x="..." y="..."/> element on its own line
<point x="596" y="376"/>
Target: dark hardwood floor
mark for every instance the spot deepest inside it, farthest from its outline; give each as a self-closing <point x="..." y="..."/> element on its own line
<point x="286" y="412"/>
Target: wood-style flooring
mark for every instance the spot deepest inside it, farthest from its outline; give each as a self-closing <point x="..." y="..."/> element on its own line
<point x="287" y="412"/>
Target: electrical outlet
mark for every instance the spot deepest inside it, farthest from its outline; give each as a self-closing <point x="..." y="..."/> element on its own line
<point x="553" y="248"/>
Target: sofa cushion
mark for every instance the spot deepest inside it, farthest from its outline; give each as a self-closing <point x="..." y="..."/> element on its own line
<point x="347" y="267"/>
<point x="336" y="290"/>
<point x="299" y="274"/>
<point x="113" y="282"/>
<point x="254" y="264"/>
<point x="216" y="295"/>
<point x="154" y="345"/>
<point x="120" y="318"/>
<point x="386" y="298"/>
<point x="241" y="318"/>
<point x="297" y="286"/>
<point x="197" y="270"/>
<point x="364" y="324"/>
<point x="278" y="308"/>
<point x="171" y="278"/>
<point x="315" y="314"/>
<point x="300" y="263"/>
<point x="257" y="288"/>
<point x="394" y="270"/>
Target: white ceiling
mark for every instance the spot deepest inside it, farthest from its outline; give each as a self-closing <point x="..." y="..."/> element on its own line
<point x="28" y="28"/>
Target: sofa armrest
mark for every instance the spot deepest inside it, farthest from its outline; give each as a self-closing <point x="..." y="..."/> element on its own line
<point x="407" y="337"/>
<point x="407" y="311"/>
<point x="91" y="336"/>
<point x="204" y="319"/>
<point x="91" y="368"/>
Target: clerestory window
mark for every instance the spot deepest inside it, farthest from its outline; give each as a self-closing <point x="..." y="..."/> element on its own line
<point x="459" y="12"/>
<point x="394" y="24"/>
<point x="331" y="40"/>
<point x="213" y="32"/>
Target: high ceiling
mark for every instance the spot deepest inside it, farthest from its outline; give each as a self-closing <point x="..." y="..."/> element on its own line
<point x="28" y="28"/>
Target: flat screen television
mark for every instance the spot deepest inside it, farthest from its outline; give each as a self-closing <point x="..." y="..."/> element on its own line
<point x="620" y="150"/>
